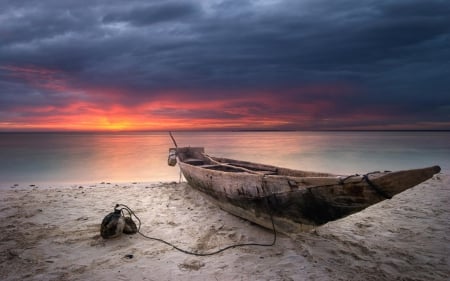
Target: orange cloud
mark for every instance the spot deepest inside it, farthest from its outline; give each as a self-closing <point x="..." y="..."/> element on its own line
<point x="156" y="115"/>
<point x="66" y="106"/>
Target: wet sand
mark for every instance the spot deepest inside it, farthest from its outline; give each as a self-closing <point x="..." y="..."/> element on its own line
<point x="52" y="233"/>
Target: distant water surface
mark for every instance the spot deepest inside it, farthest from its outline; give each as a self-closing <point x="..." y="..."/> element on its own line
<point x="49" y="158"/>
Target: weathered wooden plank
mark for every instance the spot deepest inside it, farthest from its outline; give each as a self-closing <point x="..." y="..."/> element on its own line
<point x="294" y="199"/>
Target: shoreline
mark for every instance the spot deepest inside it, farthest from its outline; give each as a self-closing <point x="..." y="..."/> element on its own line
<point x="89" y="184"/>
<point x="52" y="233"/>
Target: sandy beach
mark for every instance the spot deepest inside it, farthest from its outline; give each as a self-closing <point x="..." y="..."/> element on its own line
<point x="52" y="233"/>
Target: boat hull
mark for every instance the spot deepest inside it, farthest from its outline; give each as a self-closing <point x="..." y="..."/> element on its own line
<point x="291" y="202"/>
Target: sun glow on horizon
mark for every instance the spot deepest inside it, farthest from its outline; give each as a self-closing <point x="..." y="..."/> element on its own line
<point x="65" y="104"/>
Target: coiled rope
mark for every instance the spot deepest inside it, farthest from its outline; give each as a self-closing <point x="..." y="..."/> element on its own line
<point x="132" y="213"/>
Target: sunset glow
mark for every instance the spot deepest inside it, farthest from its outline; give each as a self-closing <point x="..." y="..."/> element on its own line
<point x="97" y="109"/>
<point x="201" y="65"/>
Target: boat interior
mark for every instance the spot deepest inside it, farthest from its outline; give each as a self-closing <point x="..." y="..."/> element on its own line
<point x="196" y="156"/>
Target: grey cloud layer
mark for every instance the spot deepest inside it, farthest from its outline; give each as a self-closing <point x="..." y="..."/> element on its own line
<point x="391" y="49"/>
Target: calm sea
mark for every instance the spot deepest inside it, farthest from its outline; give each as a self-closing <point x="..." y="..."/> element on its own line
<point x="82" y="158"/>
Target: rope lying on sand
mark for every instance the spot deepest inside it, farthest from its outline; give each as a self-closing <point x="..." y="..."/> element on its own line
<point x="132" y="213"/>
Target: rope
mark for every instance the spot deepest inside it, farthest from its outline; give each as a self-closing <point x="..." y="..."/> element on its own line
<point x="132" y="213"/>
<point x="376" y="188"/>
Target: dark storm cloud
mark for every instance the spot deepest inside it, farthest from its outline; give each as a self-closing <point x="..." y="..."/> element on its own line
<point x="151" y="14"/>
<point x="395" y="53"/>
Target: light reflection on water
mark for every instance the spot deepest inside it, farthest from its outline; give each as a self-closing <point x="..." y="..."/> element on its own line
<point x="128" y="157"/>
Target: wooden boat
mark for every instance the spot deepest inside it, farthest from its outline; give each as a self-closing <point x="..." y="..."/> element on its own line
<point x="293" y="200"/>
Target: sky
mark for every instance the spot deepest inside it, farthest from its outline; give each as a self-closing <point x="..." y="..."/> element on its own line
<point x="103" y="65"/>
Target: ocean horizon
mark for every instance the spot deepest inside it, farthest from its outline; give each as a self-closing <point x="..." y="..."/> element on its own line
<point x="48" y="158"/>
